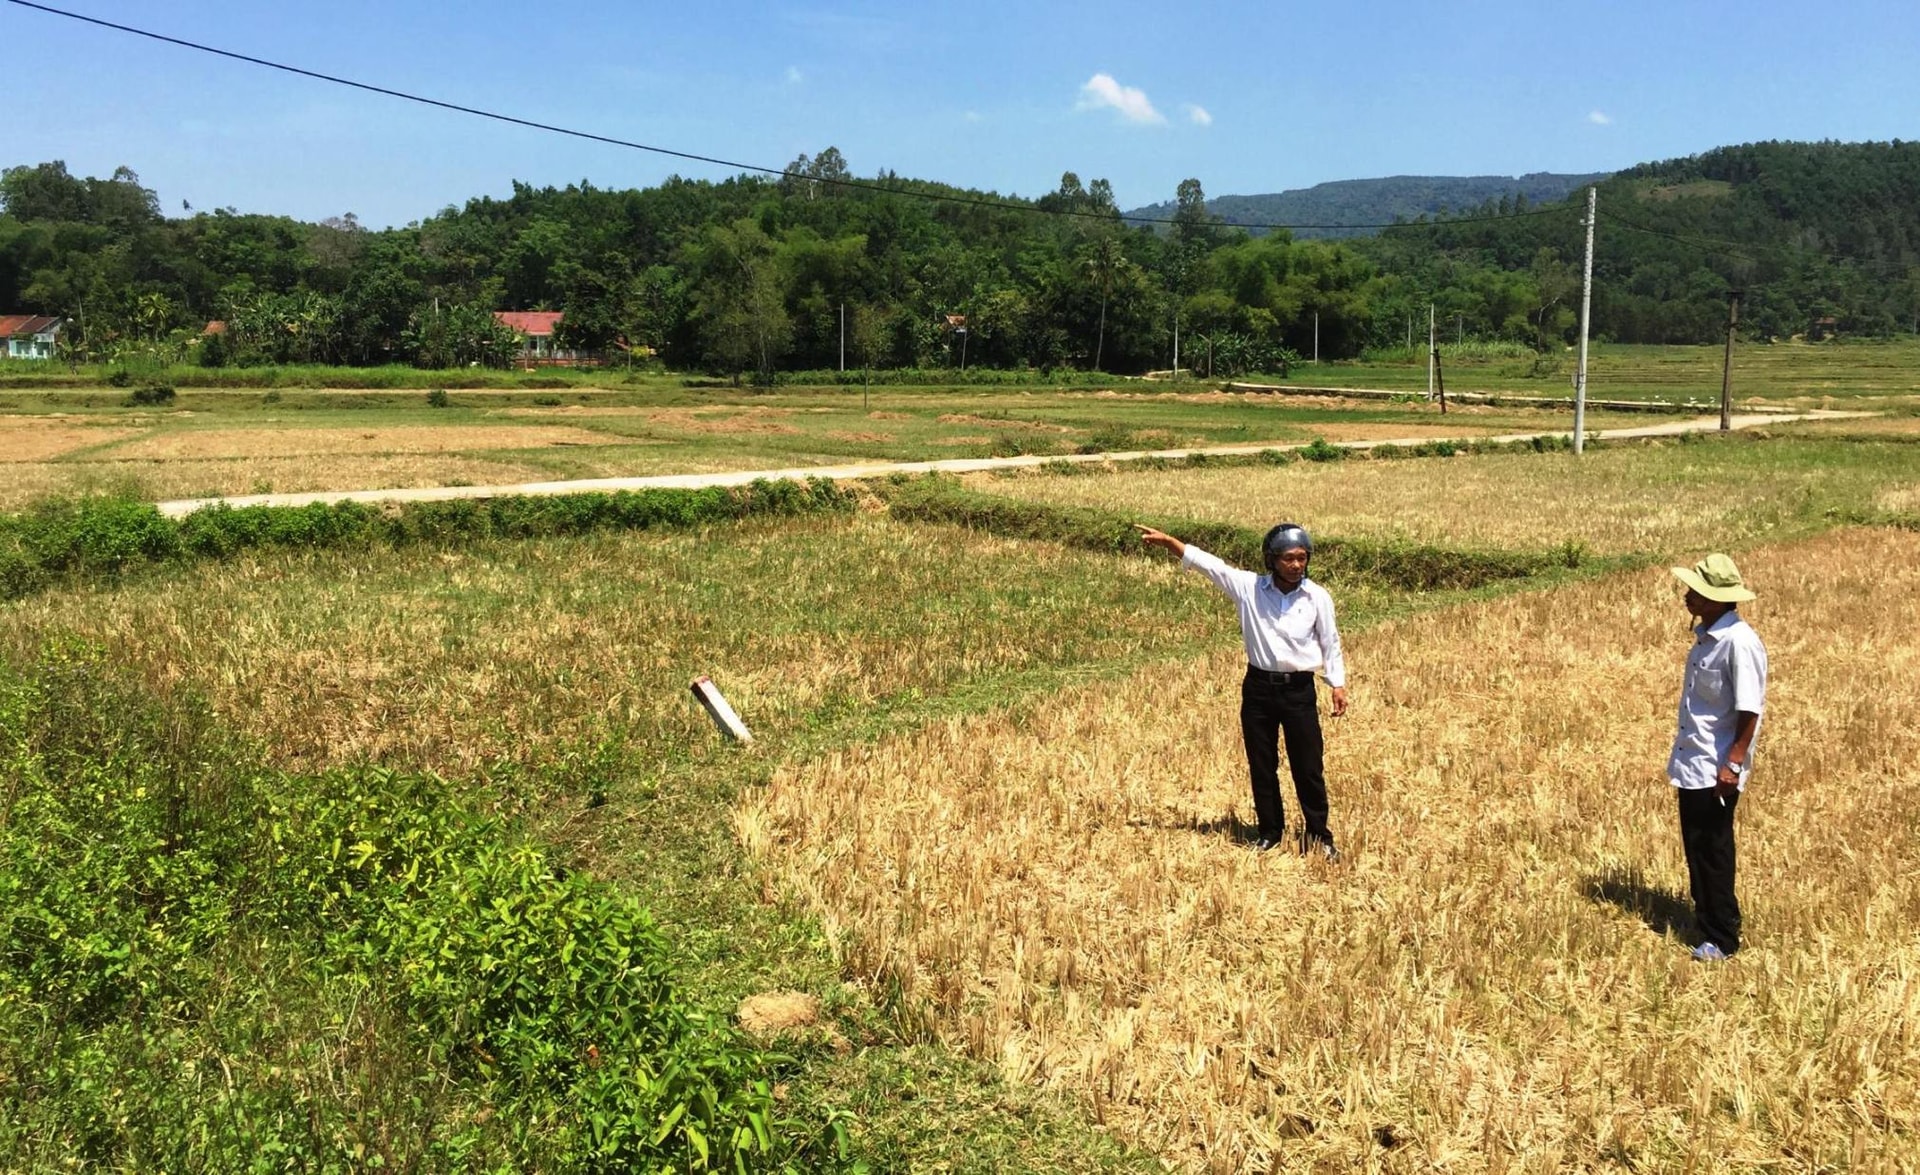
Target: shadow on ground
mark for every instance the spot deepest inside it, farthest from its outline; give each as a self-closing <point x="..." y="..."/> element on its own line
<point x="1663" y="910"/>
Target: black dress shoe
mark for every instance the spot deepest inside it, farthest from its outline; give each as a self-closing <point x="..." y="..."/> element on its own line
<point x="1266" y="842"/>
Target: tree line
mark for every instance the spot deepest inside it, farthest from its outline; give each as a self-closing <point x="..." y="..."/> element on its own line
<point x="757" y="275"/>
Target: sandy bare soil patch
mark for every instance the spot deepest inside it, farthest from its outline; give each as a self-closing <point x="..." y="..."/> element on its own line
<point x="1486" y="983"/>
<point x="956" y="442"/>
<point x="299" y="442"/>
<point x="39" y="438"/>
<point x="865" y="438"/>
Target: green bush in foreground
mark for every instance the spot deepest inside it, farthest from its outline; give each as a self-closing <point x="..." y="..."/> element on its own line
<point x="109" y="535"/>
<point x="209" y="966"/>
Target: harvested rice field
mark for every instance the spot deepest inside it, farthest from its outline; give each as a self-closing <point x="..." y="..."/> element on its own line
<point x="1639" y="498"/>
<point x="1496" y="977"/>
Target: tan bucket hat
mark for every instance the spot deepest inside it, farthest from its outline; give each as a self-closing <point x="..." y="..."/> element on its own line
<point x="1716" y="578"/>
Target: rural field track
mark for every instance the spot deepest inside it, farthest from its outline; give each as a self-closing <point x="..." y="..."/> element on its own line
<point x="697" y="481"/>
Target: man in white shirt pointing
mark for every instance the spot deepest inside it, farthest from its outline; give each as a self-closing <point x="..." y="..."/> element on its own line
<point x="1287" y="622"/>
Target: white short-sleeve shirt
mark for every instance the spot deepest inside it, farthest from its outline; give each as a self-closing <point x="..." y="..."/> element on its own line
<point x="1285" y="632"/>
<point x="1726" y="674"/>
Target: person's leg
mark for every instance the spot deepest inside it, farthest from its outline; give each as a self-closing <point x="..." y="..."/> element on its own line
<point x="1300" y="720"/>
<point x="1260" y="730"/>
<point x="1706" y="831"/>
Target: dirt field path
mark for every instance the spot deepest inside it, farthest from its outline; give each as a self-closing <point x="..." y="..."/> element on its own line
<point x="695" y="481"/>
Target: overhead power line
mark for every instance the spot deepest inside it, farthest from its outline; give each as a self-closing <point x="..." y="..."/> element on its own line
<point x="609" y="140"/>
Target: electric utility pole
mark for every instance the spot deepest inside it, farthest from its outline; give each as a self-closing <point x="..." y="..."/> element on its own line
<point x="1430" y="351"/>
<point x="1726" y="366"/>
<point x="1586" y="313"/>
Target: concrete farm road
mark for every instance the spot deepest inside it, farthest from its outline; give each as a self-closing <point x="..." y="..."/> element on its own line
<point x="696" y="481"/>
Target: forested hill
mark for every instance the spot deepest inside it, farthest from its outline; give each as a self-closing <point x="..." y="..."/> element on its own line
<point x="1382" y="201"/>
<point x="760" y="274"/>
<point x="1807" y="231"/>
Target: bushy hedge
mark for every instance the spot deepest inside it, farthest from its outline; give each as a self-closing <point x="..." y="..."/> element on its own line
<point x="171" y="915"/>
<point x="109" y="535"/>
<point x="1408" y="566"/>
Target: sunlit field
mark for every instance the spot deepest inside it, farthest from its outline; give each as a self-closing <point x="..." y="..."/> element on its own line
<point x="1496" y="977"/>
<point x="224" y="442"/>
<point x="1786" y="372"/>
<point x="993" y="817"/>
<point x="1644" y="497"/>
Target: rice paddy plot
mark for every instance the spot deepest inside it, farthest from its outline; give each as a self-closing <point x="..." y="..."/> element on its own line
<point x="1665" y="497"/>
<point x="1496" y="978"/>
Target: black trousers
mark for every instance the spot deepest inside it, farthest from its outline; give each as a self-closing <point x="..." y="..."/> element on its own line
<point x="1269" y="711"/>
<point x="1706" y="829"/>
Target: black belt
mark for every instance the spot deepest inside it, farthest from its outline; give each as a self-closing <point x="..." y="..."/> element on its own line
<point x="1275" y="677"/>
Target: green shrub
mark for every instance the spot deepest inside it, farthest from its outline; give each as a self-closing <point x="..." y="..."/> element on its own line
<point x="1320" y="450"/>
<point x="185" y="934"/>
<point x="151" y="395"/>
<point x="437" y="398"/>
<point x="110" y="535"/>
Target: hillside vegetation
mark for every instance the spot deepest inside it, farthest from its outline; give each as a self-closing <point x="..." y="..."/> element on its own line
<point x="818" y="268"/>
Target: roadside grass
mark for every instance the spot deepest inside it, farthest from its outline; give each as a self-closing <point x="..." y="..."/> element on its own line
<point x="1496" y="977"/>
<point x="1786" y="372"/>
<point x="1653" y="497"/>
<point x="225" y="442"/>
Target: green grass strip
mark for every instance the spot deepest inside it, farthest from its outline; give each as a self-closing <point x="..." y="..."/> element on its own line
<point x="108" y="536"/>
<point x="1406" y="566"/>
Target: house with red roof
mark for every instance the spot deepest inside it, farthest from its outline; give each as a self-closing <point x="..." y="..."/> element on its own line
<point x="29" y="336"/>
<point x="535" y="328"/>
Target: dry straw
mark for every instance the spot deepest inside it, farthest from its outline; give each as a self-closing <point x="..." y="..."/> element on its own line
<point x="1481" y="986"/>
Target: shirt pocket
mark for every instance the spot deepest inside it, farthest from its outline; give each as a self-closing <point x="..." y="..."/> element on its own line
<point x="1710" y="685"/>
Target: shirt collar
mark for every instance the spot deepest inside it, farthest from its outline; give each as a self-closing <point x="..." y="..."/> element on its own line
<point x="1718" y="629"/>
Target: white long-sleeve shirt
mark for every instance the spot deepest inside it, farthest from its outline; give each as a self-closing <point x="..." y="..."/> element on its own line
<point x="1726" y="674"/>
<point x="1285" y="632"/>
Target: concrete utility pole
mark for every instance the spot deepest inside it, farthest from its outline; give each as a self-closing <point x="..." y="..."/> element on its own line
<point x="1430" y="351"/>
<point x="1726" y="366"/>
<point x="1586" y="313"/>
<point x="1176" y="344"/>
<point x="1316" y="336"/>
<point x="843" y="337"/>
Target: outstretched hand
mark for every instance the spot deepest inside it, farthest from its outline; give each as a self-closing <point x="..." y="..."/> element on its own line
<point x="1159" y="538"/>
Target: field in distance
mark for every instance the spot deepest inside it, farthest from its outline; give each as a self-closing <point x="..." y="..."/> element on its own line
<point x="1649" y="497"/>
<point x="1830" y="374"/>
<point x="220" y="442"/>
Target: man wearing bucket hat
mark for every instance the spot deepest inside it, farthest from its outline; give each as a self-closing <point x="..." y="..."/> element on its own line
<point x="1287" y="623"/>
<point x="1724" y="694"/>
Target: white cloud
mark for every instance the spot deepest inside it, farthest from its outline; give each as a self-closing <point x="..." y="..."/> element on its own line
<point x="1600" y="118"/>
<point x="1198" y="116"/>
<point x="793" y="75"/>
<point x="1101" y="90"/>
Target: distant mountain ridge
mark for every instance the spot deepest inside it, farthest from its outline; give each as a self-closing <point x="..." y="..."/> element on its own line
<point x="1381" y="201"/>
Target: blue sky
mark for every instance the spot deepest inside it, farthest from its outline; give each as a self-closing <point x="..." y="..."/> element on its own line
<point x="1248" y="97"/>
